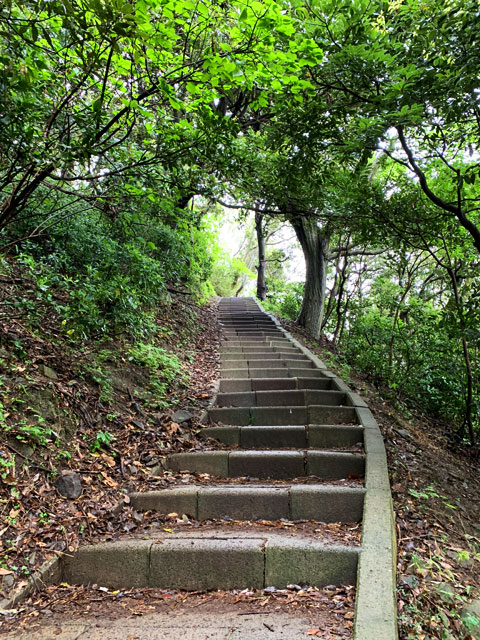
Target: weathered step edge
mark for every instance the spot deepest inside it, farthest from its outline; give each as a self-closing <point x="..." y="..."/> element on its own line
<point x="375" y="604"/>
<point x="323" y="503"/>
<point x="297" y="436"/>
<point x="50" y="572"/>
<point x="223" y="562"/>
<point x="205" y="561"/>
<point x="270" y="463"/>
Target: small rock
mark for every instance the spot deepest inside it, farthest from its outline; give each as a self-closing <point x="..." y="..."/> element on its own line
<point x="470" y="616"/>
<point x="445" y="592"/>
<point x="69" y="484"/>
<point x="410" y="581"/>
<point x="403" y="433"/>
<point x="24" y="449"/>
<point x="473" y="608"/>
<point x="48" y="372"/>
<point x="8" y="582"/>
<point x="181" y="416"/>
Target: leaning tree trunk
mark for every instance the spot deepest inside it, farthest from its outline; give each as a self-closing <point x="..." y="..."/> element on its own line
<point x="261" y="282"/>
<point x="315" y="243"/>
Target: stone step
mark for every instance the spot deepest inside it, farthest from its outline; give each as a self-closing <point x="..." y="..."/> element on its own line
<point x="269" y="463"/>
<point x="282" y="398"/>
<point x="249" y="344"/>
<point x="246" y="322"/>
<point x="246" y="356"/>
<point x="297" y="436"/>
<point x="253" y="330"/>
<point x="270" y="372"/>
<point x="264" y="384"/>
<point x="249" y="334"/>
<point x="323" y="503"/>
<point x="289" y="415"/>
<point x="243" y="343"/>
<point x="274" y="363"/>
<point x="202" y="561"/>
<point x="262" y="349"/>
<point x="257" y="326"/>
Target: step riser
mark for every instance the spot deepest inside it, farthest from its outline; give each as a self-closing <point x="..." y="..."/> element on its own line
<point x="274" y="437"/>
<point x="201" y="564"/>
<point x="248" y="342"/>
<point x="264" y="352"/>
<point x="266" y="364"/>
<point x="314" y="414"/>
<point x="252" y="331"/>
<point x="242" y="324"/>
<point x="280" y="465"/>
<point x="301" y="502"/>
<point x="283" y="372"/>
<point x="284" y="398"/>
<point x="272" y="384"/>
<point x="232" y="360"/>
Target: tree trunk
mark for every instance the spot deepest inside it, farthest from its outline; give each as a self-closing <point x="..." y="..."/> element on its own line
<point x="315" y="243"/>
<point x="261" y="283"/>
<point x="468" y="417"/>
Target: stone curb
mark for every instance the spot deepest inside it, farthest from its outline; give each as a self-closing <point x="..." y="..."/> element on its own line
<point x="48" y="573"/>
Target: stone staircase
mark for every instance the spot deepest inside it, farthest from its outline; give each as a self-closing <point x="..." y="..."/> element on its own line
<point x="296" y="444"/>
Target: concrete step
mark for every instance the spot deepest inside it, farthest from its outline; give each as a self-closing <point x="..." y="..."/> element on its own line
<point x="288" y="415"/>
<point x="243" y="343"/>
<point x="277" y="358"/>
<point x="249" y="334"/>
<point x="323" y="503"/>
<point x="298" y="436"/>
<point x="236" y="341"/>
<point x="274" y="363"/>
<point x="268" y="463"/>
<point x="259" y="348"/>
<point x="246" y="322"/>
<point x="225" y="358"/>
<point x="264" y="384"/>
<point x="252" y="331"/>
<point x="282" y="398"/>
<point x="257" y="326"/>
<point x="262" y="349"/>
<point x="280" y="372"/>
<point x="200" y="561"/>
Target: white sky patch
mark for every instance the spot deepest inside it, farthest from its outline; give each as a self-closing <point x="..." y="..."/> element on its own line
<point x="231" y="237"/>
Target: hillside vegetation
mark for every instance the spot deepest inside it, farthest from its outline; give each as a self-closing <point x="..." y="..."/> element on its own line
<point x="345" y="132"/>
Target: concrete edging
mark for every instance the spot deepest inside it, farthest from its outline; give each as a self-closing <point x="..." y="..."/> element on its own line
<point x="48" y="573"/>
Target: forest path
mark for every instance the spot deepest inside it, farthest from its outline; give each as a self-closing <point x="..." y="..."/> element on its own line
<point x="294" y="462"/>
